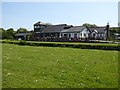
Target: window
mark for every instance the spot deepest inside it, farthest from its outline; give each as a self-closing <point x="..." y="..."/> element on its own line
<point x="42" y="26"/>
<point x="69" y="35"/>
<point x="81" y="34"/>
<point x="65" y="35"/>
<point x="75" y="35"/>
<point x="38" y="27"/>
<point x="103" y="35"/>
<point x="94" y="35"/>
<point x="84" y="34"/>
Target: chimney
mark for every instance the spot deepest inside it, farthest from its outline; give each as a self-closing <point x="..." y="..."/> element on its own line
<point x="108" y="32"/>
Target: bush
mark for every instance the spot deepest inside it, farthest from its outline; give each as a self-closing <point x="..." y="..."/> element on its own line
<point x="82" y="46"/>
<point x="32" y="44"/>
<point x="22" y="42"/>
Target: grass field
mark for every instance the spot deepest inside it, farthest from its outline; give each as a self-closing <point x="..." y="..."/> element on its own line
<point x="54" y="67"/>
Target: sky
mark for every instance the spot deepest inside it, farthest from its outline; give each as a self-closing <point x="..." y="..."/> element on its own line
<point x="119" y="13"/>
<point x="25" y="14"/>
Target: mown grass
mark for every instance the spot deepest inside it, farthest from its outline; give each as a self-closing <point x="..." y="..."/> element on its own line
<point x="0" y="65"/>
<point x="54" y="67"/>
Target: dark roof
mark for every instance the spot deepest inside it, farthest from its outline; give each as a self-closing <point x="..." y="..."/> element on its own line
<point x="99" y="29"/>
<point x="68" y="26"/>
<point x="73" y="29"/>
<point x="40" y="23"/>
<point x="22" y="34"/>
<point x="54" y="28"/>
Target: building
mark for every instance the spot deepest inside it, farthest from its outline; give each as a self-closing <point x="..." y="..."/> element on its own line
<point x="76" y="32"/>
<point x="22" y="36"/>
<point x="53" y="30"/>
<point x="64" y="32"/>
<point x="39" y="27"/>
<point x="98" y="33"/>
<point x="117" y="36"/>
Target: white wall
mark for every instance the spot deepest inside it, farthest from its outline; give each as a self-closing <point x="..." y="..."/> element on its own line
<point x="99" y="35"/>
<point x="84" y="31"/>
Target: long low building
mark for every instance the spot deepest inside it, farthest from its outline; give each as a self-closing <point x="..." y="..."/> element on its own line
<point x="70" y="32"/>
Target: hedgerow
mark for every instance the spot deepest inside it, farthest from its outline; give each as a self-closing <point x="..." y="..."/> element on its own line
<point x="70" y="45"/>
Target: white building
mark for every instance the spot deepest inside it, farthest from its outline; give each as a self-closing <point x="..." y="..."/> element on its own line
<point x="80" y="32"/>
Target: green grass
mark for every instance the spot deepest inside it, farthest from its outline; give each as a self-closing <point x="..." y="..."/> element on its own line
<point x="54" y="67"/>
<point x="0" y="65"/>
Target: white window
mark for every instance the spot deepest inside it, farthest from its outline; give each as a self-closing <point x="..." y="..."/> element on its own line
<point x="103" y="34"/>
<point x="37" y="26"/>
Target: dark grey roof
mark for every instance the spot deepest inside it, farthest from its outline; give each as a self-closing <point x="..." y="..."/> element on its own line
<point x="68" y="26"/>
<point x="22" y="34"/>
<point x="54" y="28"/>
<point x="99" y="29"/>
<point x="40" y="23"/>
<point x="73" y="29"/>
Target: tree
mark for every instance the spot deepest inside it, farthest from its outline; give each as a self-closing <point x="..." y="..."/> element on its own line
<point x="22" y="30"/>
<point x="1" y="31"/>
<point x="89" y="25"/>
<point x="7" y="34"/>
<point x="48" y="24"/>
<point x="10" y="33"/>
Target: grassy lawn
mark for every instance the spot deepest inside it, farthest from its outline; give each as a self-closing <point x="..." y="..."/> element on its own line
<point x="54" y="67"/>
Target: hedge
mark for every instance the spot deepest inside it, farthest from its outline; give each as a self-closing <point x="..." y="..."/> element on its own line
<point x="70" y="45"/>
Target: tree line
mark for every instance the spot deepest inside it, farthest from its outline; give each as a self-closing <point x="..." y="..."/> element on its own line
<point x="10" y="33"/>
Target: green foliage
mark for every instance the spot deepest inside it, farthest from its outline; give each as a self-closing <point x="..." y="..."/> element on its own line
<point x="48" y="67"/>
<point x="101" y="46"/>
<point x="1" y="30"/>
<point x="22" y="42"/>
<point x="22" y="30"/>
<point x="89" y="25"/>
<point x="8" y="34"/>
<point x="115" y="30"/>
<point x="48" y="24"/>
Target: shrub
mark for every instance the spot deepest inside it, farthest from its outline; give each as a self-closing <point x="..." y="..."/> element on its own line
<point x="22" y="42"/>
<point x="82" y="46"/>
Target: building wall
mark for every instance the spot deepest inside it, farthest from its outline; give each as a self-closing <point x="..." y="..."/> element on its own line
<point x="81" y="34"/>
<point x="39" y="28"/>
<point x="98" y="35"/>
<point x="84" y="33"/>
